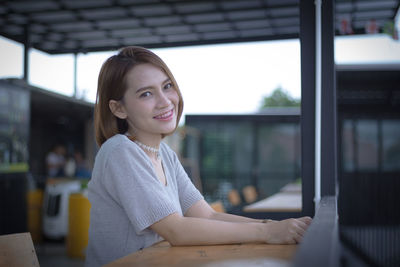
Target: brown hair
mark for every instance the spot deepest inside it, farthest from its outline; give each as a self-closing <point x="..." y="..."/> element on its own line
<point x="112" y="86"/>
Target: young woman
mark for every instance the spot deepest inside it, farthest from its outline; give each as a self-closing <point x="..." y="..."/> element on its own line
<point x="139" y="192"/>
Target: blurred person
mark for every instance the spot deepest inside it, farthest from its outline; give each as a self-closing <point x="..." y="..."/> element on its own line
<point x="139" y="191"/>
<point x="55" y="161"/>
<point x="81" y="168"/>
<point x="70" y="167"/>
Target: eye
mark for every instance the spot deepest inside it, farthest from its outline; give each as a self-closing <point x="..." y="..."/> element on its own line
<point x="168" y="86"/>
<point x="145" y="94"/>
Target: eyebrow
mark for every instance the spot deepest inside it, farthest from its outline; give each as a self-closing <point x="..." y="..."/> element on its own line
<point x="149" y="87"/>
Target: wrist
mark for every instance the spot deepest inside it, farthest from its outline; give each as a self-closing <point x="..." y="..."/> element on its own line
<point x="266" y="230"/>
<point x="261" y="235"/>
<point x="266" y="221"/>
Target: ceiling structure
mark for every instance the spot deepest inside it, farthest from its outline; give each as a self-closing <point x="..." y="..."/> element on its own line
<point x="79" y="26"/>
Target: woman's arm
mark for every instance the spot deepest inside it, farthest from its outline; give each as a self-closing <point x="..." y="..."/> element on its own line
<point x="179" y="230"/>
<point x="201" y="209"/>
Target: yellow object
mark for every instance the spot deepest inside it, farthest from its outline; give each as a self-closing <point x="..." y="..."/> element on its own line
<point x="34" y="214"/>
<point x="249" y="193"/>
<point x="78" y="225"/>
<point x="218" y="206"/>
<point x="234" y="197"/>
<point x="14" y="167"/>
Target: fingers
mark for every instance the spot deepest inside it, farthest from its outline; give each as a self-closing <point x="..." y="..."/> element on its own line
<point x="301" y="231"/>
<point x="306" y="220"/>
<point x="298" y="238"/>
<point x="296" y="230"/>
<point x="302" y="225"/>
<point x="292" y="241"/>
<point x="296" y="235"/>
<point x="289" y="231"/>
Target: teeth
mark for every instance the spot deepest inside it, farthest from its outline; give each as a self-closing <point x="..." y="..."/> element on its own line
<point x="165" y="115"/>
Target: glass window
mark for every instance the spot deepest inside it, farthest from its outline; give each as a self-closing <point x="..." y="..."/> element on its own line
<point x="241" y="151"/>
<point x="348" y="145"/>
<point x="367" y="145"/>
<point x="391" y="145"/>
<point x="278" y="155"/>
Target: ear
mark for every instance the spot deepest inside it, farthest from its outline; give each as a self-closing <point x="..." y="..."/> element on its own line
<point x="117" y="109"/>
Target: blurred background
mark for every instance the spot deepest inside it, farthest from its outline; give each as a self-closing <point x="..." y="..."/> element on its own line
<point x="238" y="64"/>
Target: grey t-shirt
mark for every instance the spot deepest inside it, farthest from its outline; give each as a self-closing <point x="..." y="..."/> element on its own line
<point x="127" y="197"/>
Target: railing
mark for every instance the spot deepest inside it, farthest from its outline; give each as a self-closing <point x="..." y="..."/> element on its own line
<point x="320" y="245"/>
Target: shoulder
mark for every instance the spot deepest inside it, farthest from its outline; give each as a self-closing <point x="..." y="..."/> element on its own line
<point x="113" y="141"/>
<point x="119" y="156"/>
<point x="119" y="146"/>
<point x="117" y="142"/>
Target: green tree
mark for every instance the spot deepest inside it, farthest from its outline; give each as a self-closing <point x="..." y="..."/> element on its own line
<point x="280" y="98"/>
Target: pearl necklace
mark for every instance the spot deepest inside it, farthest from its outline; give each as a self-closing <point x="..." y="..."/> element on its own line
<point x="149" y="149"/>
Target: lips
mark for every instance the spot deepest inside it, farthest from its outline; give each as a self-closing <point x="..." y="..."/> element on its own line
<point x="165" y="116"/>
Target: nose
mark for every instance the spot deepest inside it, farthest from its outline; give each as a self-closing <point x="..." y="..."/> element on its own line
<point x="163" y="100"/>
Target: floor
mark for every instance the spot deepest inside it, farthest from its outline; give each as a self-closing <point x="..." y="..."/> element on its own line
<point x="52" y="254"/>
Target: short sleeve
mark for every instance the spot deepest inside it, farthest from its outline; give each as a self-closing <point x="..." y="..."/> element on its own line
<point x="132" y="183"/>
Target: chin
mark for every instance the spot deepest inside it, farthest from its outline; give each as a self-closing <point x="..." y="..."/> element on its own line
<point x="169" y="131"/>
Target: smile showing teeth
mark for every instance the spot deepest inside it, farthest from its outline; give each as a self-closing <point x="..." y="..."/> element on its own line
<point x="164" y="116"/>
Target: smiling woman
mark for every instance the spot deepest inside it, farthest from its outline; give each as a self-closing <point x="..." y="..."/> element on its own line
<point x="150" y="104"/>
<point x="139" y="191"/>
<point x="134" y="81"/>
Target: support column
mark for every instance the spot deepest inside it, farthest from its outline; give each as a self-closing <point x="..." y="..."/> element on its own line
<point x="307" y="48"/>
<point x="75" y="75"/>
<point x="328" y="103"/>
<point x="27" y="44"/>
<point x="328" y="161"/>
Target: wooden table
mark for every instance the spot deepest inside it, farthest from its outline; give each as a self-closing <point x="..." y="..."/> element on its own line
<point x="280" y="202"/>
<point x="291" y="187"/>
<point x="162" y="254"/>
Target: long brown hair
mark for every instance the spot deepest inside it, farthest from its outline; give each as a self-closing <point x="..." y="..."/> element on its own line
<point x="112" y="86"/>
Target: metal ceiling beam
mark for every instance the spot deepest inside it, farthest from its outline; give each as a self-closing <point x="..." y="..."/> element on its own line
<point x="62" y="26"/>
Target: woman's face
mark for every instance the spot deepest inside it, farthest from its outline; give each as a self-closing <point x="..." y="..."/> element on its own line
<point x="150" y="103"/>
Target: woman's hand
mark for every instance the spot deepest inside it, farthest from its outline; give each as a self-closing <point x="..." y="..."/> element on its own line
<point x="288" y="231"/>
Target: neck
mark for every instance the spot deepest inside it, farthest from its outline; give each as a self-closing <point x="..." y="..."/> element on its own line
<point x="149" y="149"/>
<point x="152" y="140"/>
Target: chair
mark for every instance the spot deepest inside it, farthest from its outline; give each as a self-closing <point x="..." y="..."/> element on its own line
<point x="218" y="206"/>
<point x="17" y="250"/>
<point x="249" y="193"/>
<point x="234" y="197"/>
